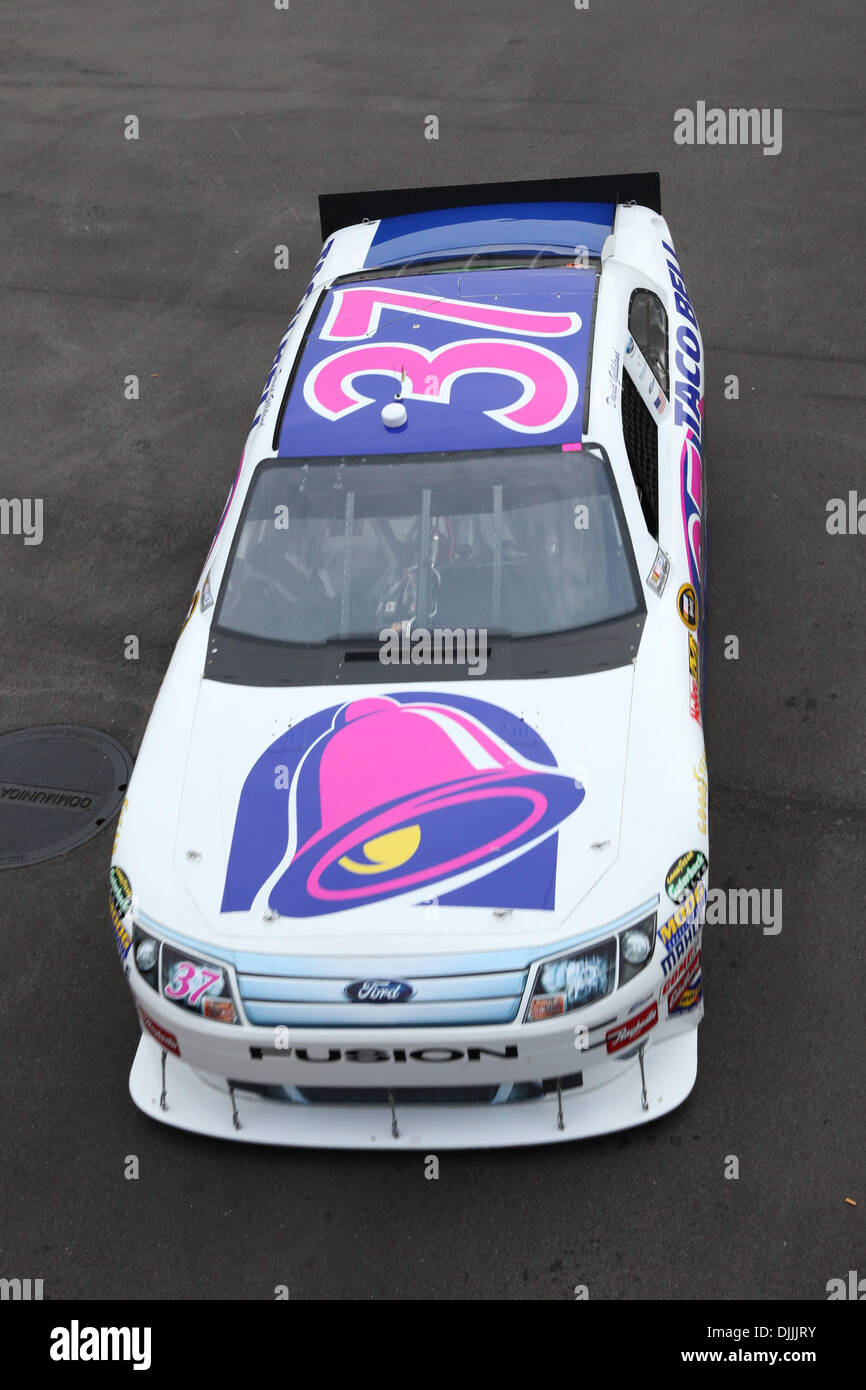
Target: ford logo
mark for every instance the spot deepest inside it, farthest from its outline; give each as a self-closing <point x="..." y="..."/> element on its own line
<point x="379" y="991"/>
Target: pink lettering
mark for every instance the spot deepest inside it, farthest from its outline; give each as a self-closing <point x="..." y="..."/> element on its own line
<point x="549" y="385"/>
<point x="356" y="313"/>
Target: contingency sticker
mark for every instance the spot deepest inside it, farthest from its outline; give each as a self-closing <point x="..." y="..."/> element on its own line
<point x="683" y="872"/>
<point x="119" y="903"/>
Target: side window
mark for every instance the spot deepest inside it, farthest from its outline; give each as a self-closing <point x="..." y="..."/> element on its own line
<point x="648" y="325"/>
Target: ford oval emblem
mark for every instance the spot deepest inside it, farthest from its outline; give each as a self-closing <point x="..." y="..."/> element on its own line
<point x="379" y="991"/>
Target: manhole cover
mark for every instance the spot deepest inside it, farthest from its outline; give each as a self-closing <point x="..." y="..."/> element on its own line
<point x="59" y="785"/>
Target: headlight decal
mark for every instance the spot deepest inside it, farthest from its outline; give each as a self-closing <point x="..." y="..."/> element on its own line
<point x="201" y="986"/>
<point x="573" y="981"/>
<point x="579" y="978"/>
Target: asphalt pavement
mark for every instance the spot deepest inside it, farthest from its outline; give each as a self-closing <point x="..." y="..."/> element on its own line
<point x="154" y="257"/>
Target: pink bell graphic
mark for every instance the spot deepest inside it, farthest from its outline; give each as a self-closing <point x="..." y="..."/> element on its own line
<point x="403" y="793"/>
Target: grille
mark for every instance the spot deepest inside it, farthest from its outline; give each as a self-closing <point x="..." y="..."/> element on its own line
<point x="642" y="446"/>
<point x="287" y="1000"/>
<point x="507" y="1094"/>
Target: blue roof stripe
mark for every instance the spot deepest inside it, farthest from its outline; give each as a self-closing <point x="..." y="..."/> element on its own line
<point x="500" y="226"/>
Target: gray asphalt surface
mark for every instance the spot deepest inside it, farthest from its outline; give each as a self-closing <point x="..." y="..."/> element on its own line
<point x="155" y="257"/>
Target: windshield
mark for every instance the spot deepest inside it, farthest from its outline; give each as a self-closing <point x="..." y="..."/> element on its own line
<point x="521" y="543"/>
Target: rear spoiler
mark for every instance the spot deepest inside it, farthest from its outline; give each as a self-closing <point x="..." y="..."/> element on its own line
<point x="338" y="210"/>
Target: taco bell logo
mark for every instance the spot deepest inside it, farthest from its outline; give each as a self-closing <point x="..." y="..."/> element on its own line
<point x="386" y="797"/>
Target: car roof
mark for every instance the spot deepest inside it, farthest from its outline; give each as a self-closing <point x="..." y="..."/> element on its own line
<point x="487" y="358"/>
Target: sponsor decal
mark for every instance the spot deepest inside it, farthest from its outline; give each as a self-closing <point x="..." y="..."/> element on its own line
<point x="693" y="657"/>
<point x="122" y="939"/>
<point x="267" y="396"/>
<point x="322" y="1053"/>
<point x="678" y="977"/>
<point x="390" y="796"/>
<point x="120" y="889"/>
<point x="190" y="612"/>
<point x="658" y="575"/>
<point x="689" y="995"/>
<point x="221" y="1009"/>
<point x="613" y="379"/>
<point x="700" y="776"/>
<point x="639" y="370"/>
<point x="627" y="1033"/>
<point x="119" y="824"/>
<point x="379" y="991"/>
<point x="694" y="681"/>
<point x="683" y="928"/>
<point x="683" y="872"/>
<point x="694" y="701"/>
<point x="119" y="903"/>
<point x="687" y="606"/>
<point x="689" y="413"/>
<point x="163" y="1037"/>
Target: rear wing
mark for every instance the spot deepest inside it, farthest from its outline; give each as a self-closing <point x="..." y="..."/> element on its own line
<point x="338" y="210"/>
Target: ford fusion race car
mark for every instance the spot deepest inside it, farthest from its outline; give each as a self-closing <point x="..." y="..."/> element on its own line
<point x="415" y="851"/>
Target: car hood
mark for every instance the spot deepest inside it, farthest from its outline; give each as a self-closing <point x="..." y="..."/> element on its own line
<point x="317" y="821"/>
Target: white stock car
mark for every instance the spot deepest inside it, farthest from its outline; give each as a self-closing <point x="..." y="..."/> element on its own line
<point x="415" y="850"/>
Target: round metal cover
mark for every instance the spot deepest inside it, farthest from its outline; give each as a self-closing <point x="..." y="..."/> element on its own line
<point x="59" y="785"/>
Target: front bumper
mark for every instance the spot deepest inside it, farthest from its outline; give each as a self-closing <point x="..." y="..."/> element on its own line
<point x="169" y="1090"/>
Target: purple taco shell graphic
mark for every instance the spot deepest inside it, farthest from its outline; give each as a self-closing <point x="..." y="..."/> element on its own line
<point x="393" y="795"/>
